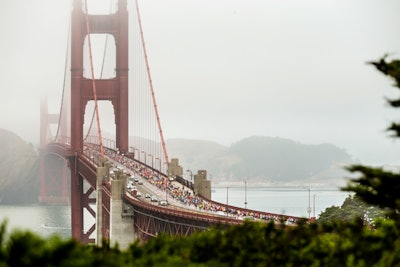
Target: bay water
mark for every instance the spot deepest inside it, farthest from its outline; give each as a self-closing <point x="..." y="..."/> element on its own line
<point x="47" y="220"/>
<point x="288" y="200"/>
<point x="41" y="219"/>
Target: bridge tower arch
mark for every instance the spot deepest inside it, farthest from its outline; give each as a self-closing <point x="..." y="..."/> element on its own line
<point x="114" y="89"/>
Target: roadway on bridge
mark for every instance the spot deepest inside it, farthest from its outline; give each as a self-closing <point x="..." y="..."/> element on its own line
<point x="145" y="183"/>
<point x="151" y="183"/>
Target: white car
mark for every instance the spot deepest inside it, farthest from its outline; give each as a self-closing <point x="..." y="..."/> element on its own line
<point x="163" y="203"/>
<point x="130" y="185"/>
<point x="138" y="194"/>
<point x="154" y="199"/>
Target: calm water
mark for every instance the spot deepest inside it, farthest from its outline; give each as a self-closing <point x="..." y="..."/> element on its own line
<point x="48" y="220"/>
<point x="294" y="201"/>
<point x="43" y="220"/>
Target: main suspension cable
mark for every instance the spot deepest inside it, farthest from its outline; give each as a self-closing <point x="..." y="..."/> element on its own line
<point x="64" y="81"/>
<point x="151" y="82"/>
<point x="93" y="82"/>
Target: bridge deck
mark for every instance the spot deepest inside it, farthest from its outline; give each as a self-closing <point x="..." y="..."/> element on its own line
<point x="180" y="197"/>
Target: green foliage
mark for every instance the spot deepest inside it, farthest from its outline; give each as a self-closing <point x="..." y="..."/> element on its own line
<point x="23" y="248"/>
<point x="250" y="244"/>
<point x="352" y="208"/>
<point x="2" y="238"/>
<point x="375" y="185"/>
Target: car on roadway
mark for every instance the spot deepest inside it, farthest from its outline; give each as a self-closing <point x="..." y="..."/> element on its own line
<point x="154" y="199"/>
<point x="140" y="182"/>
<point x="130" y="185"/>
<point x="138" y="194"/>
<point x="147" y="195"/>
<point x="163" y="203"/>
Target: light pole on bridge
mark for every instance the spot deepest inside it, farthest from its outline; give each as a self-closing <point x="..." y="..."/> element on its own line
<point x="309" y="203"/>
<point x="227" y="199"/>
<point x="159" y="168"/>
<point x="105" y="142"/>
<point x="144" y="156"/>
<point x="314" y="204"/>
<point x="152" y="160"/>
<point x="245" y="194"/>
<point x="109" y="143"/>
<point x="136" y="154"/>
<point x="191" y="174"/>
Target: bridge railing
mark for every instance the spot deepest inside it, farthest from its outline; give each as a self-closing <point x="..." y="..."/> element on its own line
<point x="60" y="139"/>
<point x="107" y="142"/>
<point x="255" y="214"/>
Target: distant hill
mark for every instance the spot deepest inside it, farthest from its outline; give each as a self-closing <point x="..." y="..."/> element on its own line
<point x="19" y="170"/>
<point x="255" y="159"/>
<point x="263" y="159"/>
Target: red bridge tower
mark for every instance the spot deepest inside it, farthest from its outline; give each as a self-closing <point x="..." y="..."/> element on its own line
<point x="114" y="90"/>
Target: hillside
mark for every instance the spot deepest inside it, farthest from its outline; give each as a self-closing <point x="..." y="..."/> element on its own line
<point x="263" y="159"/>
<point x="255" y="159"/>
<point x="19" y="170"/>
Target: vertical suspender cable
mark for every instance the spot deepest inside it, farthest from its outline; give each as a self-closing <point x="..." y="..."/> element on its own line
<point x="151" y="83"/>
<point x="93" y="82"/>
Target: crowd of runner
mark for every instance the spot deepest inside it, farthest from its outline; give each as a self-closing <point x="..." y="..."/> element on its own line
<point x="186" y="196"/>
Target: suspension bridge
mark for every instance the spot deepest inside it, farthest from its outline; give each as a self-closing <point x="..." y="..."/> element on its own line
<point x="110" y="178"/>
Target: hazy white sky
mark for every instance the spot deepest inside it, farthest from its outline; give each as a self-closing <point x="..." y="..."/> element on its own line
<point x="225" y="70"/>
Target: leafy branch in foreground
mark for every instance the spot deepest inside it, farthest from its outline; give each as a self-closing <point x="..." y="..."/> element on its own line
<point x="377" y="186"/>
<point x="391" y="69"/>
<point x="352" y="208"/>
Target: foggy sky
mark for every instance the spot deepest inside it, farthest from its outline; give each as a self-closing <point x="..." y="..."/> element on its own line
<point x="225" y="70"/>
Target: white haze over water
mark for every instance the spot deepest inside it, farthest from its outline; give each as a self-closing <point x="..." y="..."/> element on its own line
<point x="225" y="70"/>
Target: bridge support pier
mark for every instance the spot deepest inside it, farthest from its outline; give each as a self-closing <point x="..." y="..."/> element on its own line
<point x="52" y="190"/>
<point x="99" y="199"/>
<point x="121" y="227"/>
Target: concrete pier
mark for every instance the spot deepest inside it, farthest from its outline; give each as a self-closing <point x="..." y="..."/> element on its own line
<point x="99" y="199"/>
<point x="121" y="227"/>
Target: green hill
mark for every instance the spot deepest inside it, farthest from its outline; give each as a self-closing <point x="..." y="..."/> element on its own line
<point x="255" y="159"/>
<point x="19" y="170"/>
<point x="263" y="159"/>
